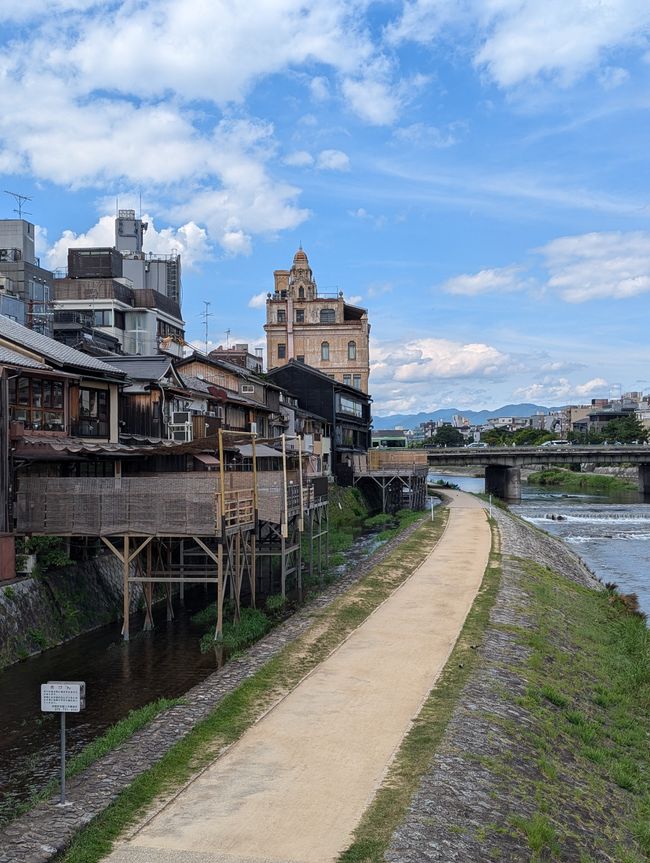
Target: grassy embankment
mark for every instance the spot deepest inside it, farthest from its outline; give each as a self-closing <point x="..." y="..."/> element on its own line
<point x="577" y="775"/>
<point x="571" y="481"/>
<point x="109" y="740"/>
<point x="241" y="708"/>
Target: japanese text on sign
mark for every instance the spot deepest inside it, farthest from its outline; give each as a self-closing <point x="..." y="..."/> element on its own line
<point x="58" y="696"/>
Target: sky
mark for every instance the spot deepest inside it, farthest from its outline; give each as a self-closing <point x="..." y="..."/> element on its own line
<point x="474" y="172"/>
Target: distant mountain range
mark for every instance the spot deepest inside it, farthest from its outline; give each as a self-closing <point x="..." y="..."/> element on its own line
<point x="410" y="421"/>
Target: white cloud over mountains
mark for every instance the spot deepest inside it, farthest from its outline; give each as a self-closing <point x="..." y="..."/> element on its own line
<point x="558" y="390"/>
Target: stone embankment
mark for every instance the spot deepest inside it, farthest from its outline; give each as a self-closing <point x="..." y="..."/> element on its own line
<point x="500" y="785"/>
<point x="41" y="612"/>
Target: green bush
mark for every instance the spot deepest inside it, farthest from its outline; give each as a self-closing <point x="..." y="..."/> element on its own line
<point x="252" y="625"/>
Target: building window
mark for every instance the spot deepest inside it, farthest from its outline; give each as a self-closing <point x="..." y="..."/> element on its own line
<point x="93" y="413"/>
<point x="300" y="316"/>
<point x="325" y="351"/>
<point x="282" y="316"/>
<point x="103" y="318"/>
<point x="356" y="382"/>
<point x="119" y="320"/>
<point x="37" y="402"/>
<point x="301" y="293"/>
<point x="347" y="405"/>
<point x="327" y="316"/>
<point x="347" y="380"/>
<point x="352" y="350"/>
<point x="301" y="358"/>
<point x="282" y="352"/>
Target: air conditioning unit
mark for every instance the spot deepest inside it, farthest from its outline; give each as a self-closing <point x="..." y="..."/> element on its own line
<point x="181" y="417"/>
<point x="180" y="432"/>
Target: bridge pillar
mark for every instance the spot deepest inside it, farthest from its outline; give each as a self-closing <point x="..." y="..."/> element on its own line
<point x="644" y="480"/>
<point x="503" y="482"/>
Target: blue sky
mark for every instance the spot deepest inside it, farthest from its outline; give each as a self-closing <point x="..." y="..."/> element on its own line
<point x="474" y="172"/>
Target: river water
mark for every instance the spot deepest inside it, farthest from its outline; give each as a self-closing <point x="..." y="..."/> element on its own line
<point x="611" y="533"/>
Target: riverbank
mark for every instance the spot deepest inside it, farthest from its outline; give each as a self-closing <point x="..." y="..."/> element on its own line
<point x="572" y="481"/>
<point x="237" y="693"/>
<point x="532" y="746"/>
<point x="545" y="756"/>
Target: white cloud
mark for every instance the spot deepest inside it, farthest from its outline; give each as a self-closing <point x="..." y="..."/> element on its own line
<point x="527" y="39"/>
<point x="333" y="160"/>
<point x="598" y="265"/>
<point x="257" y="301"/>
<point x="355" y="299"/>
<point x="515" y="41"/>
<point x="612" y="77"/>
<point x="500" y="280"/>
<point x="422" y="360"/>
<point x="375" y="101"/>
<point x="299" y="159"/>
<point x="189" y="240"/>
<point x="378" y="289"/>
<point x="425" y="135"/>
<point x="561" y="389"/>
<point x="320" y="89"/>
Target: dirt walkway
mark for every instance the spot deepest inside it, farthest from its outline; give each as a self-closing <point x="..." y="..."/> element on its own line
<point x="296" y="784"/>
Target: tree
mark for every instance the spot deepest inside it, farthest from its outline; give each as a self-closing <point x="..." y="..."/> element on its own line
<point x="626" y="430"/>
<point x="447" y="436"/>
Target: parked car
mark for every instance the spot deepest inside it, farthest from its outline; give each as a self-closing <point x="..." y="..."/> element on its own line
<point x="477" y="444"/>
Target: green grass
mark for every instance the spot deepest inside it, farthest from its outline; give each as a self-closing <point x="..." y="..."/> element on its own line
<point x="587" y="685"/>
<point x="572" y="481"/>
<point x="113" y="737"/>
<point x="252" y="625"/>
<point x="241" y="708"/>
<point x="372" y="836"/>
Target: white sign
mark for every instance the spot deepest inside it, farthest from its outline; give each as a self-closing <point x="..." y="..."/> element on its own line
<point x="60" y="696"/>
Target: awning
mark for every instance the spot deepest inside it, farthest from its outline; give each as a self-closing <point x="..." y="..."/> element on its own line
<point x="206" y="458"/>
<point x="261" y="451"/>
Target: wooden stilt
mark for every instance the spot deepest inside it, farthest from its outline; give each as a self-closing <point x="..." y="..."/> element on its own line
<point x="219" y="630"/>
<point x="125" y="596"/>
<point x="148" y="593"/>
<point x="170" y="607"/>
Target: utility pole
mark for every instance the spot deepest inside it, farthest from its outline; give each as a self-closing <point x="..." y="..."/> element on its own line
<point x="205" y="314"/>
<point x="227" y="339"/>
<point x="20" y="200"/>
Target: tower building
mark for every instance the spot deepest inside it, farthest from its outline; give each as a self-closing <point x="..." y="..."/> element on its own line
<point x="319" y="329"/>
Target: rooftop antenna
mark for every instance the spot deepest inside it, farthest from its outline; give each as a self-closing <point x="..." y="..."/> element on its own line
<point x="205" y="314"/>
<point x="227" y="339"/>
<point x="20" y="200"/>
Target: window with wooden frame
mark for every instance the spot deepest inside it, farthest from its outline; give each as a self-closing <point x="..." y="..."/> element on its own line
<point x="325" y="351"/>
<point x="37" y="402"/>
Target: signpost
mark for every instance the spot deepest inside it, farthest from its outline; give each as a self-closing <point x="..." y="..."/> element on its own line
<point x="63" y="696"/>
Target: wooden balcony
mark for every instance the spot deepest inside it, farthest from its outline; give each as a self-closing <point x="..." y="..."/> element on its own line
<point x="171" y="504"/>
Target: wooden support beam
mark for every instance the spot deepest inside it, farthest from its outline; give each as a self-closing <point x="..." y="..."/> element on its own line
<point x="148" y="593"/>
<point x="125" y="591"/>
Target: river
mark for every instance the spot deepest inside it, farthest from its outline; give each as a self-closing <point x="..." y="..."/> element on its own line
<point x="611" y="533"/>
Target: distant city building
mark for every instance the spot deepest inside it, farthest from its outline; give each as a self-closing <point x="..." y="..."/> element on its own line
<point x="239" y="355"/>
<point x="320" y="330"/>
<point x="389" y="439"/>
<point x="133" y="296"/>
<point x="26" y="288"/>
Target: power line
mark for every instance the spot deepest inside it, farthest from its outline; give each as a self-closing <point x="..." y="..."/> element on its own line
<point x="20" y="200"/>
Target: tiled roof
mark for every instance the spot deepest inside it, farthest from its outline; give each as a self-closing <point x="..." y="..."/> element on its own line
<point x="142" y="368"/>
<point x="53" y="351"/>
<point x="13" y="358"/>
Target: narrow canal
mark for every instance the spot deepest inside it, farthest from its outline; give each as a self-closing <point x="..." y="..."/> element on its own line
<point x="120" y="676"/>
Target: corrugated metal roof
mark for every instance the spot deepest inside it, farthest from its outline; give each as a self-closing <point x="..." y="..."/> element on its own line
<point x="55" y="352"/>
<point x="13" y="358"/>
<point x="142" y="368"/>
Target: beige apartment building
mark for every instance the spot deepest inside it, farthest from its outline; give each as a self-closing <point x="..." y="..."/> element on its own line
<point x="321" y="330"/>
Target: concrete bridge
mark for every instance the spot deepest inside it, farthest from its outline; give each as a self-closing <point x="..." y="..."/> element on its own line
<point x="502" y="464"/>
